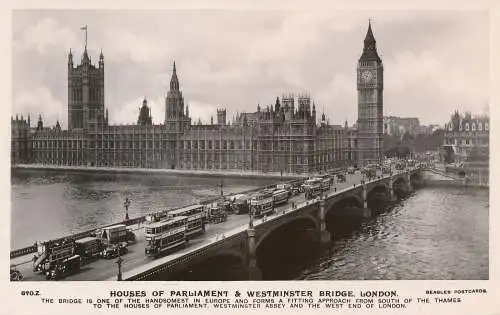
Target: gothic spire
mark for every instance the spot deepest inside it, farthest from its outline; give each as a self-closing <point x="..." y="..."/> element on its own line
<point x="85" y="58"/>
<point x="369" y="38"/>
<point x="174" y="81"/>
<point x="370" y="48"/>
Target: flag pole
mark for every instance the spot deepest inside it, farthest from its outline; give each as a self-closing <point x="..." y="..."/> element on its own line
<point x="85" y="29"/>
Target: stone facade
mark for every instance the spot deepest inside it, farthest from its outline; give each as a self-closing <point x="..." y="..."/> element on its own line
<point x="286" y="136"/>
<point x="20" y="142"/>
<point x="280" y="138"/>
<point x="467" y="142"/>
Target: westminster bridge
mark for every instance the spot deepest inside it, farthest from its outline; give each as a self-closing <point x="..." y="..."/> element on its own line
<point x="242" y="243"/>
<point x="240" y="239"/>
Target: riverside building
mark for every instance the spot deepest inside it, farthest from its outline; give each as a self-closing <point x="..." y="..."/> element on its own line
<point x="467" y="143"/>
<point x="287" y="136"/>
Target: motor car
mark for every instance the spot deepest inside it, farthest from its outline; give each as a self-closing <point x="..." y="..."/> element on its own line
<point x="111" y="251"/>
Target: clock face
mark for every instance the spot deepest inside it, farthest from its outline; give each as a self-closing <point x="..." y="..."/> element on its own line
<point x="366" y="76"/>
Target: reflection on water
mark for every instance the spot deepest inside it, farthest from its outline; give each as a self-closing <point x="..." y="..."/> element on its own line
<point x="437" y="233"/>
<point x="51" y="204"/>
<point x="434" y="234"/>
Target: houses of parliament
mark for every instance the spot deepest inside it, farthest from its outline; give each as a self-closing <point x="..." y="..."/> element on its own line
<point x="286" y="136"/>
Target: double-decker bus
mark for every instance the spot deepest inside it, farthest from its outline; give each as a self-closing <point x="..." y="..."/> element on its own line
<point x="262" y="203"/>
<point x="312" y="187"/>
<point x="165" y="235"/>
<point x="196" y="219"/>
<point x="157" y="216"/>
<point x="280" y="196"/>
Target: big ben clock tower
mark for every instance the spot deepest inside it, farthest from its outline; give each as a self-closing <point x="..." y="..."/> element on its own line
<point x="370" y="102"/>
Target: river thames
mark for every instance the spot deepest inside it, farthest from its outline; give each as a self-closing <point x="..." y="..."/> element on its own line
<point x="435" y="233"/>
<point x="47" y="205"/>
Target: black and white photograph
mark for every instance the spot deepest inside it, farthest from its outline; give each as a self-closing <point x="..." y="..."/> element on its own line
<point x="249" y="145"/>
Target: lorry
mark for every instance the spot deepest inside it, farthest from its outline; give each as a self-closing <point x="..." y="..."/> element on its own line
<point x="241" y="204"/>
<point x="370" y="172"/>
<point x="325" y="184"/>
<point x="115" y="234"/>
<point x="88" y="248"/>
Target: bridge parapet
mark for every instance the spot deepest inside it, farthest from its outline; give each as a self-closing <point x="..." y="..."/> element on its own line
<point x="177" y="261"/>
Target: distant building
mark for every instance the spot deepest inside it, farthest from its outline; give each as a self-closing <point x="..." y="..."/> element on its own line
<point x="20" y="142"/>
<point x="466" y="142"/>
<point x="396" y="126"/>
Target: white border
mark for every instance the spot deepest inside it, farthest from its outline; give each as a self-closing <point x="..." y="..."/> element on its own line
<point x="13" y="303"/>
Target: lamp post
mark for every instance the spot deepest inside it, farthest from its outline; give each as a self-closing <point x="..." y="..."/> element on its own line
<point x="250" y="214"/>
<point x="126" y="204"/>
<point x="119" y="262"/>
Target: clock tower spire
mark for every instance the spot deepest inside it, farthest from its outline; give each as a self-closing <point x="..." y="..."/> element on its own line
<point x="370" y="86"/>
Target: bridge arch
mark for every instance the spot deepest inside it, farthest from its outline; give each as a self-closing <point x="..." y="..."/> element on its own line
<point x="377" y="188"/>
<point x="416" y="179"/>
<point x="399" y="180"/>
<point x="294" y="240"/>
<point x="400" y="185"/>
<point x="353" y="200"/>
<point x="307" y="219"/>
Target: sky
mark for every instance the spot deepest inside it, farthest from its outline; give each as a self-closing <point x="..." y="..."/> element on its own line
<point x="434" y="61"/>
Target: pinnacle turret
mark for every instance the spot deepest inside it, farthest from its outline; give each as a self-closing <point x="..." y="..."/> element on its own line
<point x="70" y="58"/>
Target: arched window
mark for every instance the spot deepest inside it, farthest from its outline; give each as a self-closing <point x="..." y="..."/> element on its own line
<point x="460" y="126"/>
<point x="480" y="126"/>
<point x="467" y="127"/>
<point x="486" y="126"/>
<point x="473" y="126"/>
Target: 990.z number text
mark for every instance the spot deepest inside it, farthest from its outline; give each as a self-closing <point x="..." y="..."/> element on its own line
<point x="30" y="292"/>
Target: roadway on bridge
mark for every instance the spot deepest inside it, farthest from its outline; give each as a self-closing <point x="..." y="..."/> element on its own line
<point x="103" y="269"/>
